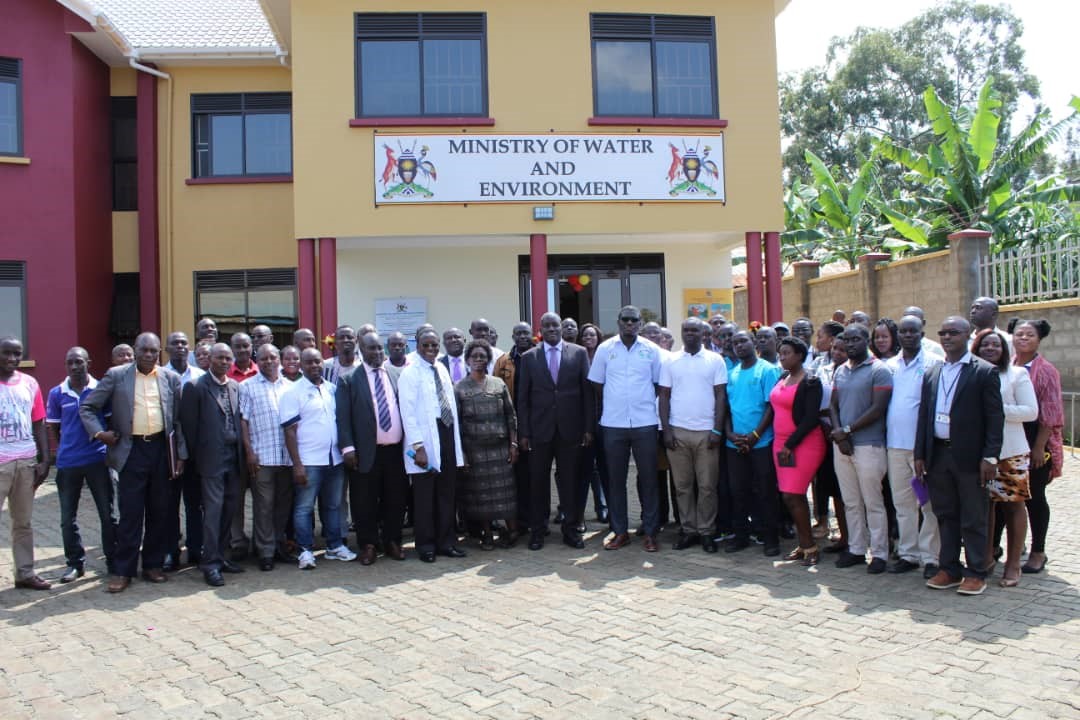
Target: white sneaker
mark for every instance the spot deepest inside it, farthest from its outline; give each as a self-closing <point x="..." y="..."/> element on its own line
<point x="306" y="560"/>
<point x="341" y="552"/>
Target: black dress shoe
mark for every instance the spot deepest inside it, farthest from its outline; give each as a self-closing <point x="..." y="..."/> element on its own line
<point x="602" y="516"/>
<point x="230" y="567"/>
<point x="929" y="571"/>
<point x="708" y="544"/>
<point x="846" y="559"/>
<point x="266" y="564"/>
<point x="428" y="557"/>
<point x="536" y="542"/>
<point x="734" y="545"/>
<point x="686" y="540"/>
<point x="876" y="566"/>
<point x="903" y="566"/>
<point x="71" y="574"/>
<point x="573" y="541"/>
<point x="581" y="529"/>
<point x="453" y="552"/>
<point x="171" y="563"/>
<point x="213" y="577"/>
<point x="771" y="550"/>
<point x="560" y="518"/>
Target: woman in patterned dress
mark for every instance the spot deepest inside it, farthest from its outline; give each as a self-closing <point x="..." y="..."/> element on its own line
<point x="1010" y="489"/>
<point x="489" y="441"/>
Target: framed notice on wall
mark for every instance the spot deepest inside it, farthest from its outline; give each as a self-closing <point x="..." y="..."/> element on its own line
<point x="706" y="302"/>
<point x="402" y="314"/>
<point x="482" y="168"/>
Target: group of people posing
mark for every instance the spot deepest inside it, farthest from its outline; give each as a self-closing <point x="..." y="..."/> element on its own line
<point x="923" y="447"/>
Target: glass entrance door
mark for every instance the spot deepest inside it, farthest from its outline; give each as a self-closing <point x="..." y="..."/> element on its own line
<point x="592" y="288"/>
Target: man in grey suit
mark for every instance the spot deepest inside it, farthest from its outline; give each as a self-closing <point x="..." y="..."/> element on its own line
<point x="147" y="449"/>
<point x="210" y="416"/>
<point x="370" y="436"/>
<point x="556" y="407"/>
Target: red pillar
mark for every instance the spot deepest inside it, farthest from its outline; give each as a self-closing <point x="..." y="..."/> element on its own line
<point x="774" y="278"/>
<point x="327" y="285"/>
<point x="755" y="297"/>
<point x="305" y="281"/>
<point x="538" y="272"/>
<point x="146" y="179"/>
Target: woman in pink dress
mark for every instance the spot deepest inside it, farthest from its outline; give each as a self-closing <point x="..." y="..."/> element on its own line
<point x="799" y="446"/>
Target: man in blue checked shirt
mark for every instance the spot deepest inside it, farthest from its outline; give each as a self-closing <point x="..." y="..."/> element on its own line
<point x="79" y="459"/>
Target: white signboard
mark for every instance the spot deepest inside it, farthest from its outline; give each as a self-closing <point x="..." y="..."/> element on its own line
<point x="401" y="314"/>
<point x="474" y="168"/>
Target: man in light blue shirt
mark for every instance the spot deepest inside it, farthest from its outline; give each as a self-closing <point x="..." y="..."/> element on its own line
<point x="751" y="475"/>
<point x="625" y="370"/>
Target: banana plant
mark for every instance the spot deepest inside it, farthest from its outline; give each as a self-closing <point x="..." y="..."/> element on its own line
<point x="966" y="178"/>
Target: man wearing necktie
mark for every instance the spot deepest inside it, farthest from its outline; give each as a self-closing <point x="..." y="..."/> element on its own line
<point x="454" y="359"/>
<point x="370" y="434"/>
<point x="556" y="405"/>
<point x="432" y="448"/>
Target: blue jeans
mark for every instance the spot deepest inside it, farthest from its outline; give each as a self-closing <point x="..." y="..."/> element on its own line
<point x="69" y="485"/>
<point x="618" y="444"/>
<point x="323" y="482"/>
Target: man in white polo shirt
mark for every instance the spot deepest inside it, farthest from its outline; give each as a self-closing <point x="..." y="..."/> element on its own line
<point x="308" y="414"/>
<point x="693" y="399"/>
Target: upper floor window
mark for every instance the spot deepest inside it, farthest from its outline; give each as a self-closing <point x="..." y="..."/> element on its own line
<point x="124" y="155"/>
<point x="421" y="64"/>
<point x="654" y="65"/>
<point x="239" y="134"/>
<point x="10" y="106"/>
<point x="240" y="299"/>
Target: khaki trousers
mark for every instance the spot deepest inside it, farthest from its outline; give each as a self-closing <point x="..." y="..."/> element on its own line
<point x="695" y="465"/>
<point x="17" y="490"/>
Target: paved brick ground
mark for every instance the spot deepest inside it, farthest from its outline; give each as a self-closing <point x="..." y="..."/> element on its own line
<point x="558" y="633"/>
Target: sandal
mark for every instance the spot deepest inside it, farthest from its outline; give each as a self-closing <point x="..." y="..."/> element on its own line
<point x="1007" y="582"/>
<point x="796" y="554"/>
<point x="810" y="556"/>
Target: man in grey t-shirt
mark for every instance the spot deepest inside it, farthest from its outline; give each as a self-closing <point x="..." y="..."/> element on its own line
<point x="861" y="390"/>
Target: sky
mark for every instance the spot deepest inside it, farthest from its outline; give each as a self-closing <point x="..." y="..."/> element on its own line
<point x="805" y="27"/>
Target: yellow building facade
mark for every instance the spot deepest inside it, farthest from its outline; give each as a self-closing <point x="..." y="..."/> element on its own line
<point x="319" y="237"/>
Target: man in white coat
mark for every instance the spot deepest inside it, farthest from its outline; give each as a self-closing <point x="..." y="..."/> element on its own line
<point x="432" y="448"/>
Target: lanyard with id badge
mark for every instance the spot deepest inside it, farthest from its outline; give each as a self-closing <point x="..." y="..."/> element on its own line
<point x="942" y="418"/>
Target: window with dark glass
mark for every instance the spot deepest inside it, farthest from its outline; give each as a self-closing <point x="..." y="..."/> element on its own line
<point x="13" y="300"/>
<point x="241" y="134"/>
<point x="124" y="152"/>
<point x="240" y="299"/>
<point x="10" y="106"/>
<point x="420" y="64"/>
<point x="654" y="65"/>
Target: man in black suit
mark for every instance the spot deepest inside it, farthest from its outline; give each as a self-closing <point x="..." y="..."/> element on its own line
<point x="556" y="405"/>
<point x="370" y="436"/>
<point x="210" y="416"/>
<point x="959" y="436"/>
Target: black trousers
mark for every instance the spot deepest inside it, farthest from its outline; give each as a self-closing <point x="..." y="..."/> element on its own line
<point x="433" y="499"/>
<point x="189" y="487"/>
<point x="754" y="494"/>
<point x="379" y="496"/>
<point x="142" y="498"/>
<point x="220" y="495"/>
<point x="566" y="452"/>
<point x="962" y="507"/>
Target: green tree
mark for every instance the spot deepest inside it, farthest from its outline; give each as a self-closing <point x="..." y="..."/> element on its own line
<point x="872" y="82"/>
<point x="972" y="176"/>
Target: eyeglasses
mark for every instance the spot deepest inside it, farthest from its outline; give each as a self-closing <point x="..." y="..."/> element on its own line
<point x="629" y="319"/>
<point x="949" y="333"/>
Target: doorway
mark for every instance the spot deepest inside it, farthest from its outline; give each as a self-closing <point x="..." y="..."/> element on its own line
<point x="592" y="288"/>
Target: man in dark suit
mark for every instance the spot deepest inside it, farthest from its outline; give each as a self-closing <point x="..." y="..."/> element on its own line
<point x="147" y="449"/>
<point x="556" y="404"/>
<point x="370" y="436"/>
<point x="210" y="416"/>
<point x="959" y="436"/>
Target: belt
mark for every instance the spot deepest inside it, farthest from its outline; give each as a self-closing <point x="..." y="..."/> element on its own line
<point x="149" y="438"/>
<point x="943" y="441"/>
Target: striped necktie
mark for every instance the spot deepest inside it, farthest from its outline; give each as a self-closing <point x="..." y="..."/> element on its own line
<point x="380" y="397"/>
<point x="445" y="414"/>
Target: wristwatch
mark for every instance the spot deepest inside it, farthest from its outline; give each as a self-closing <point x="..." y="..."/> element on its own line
<point x="846" y="429"/>
<point x="991" y="460"/>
